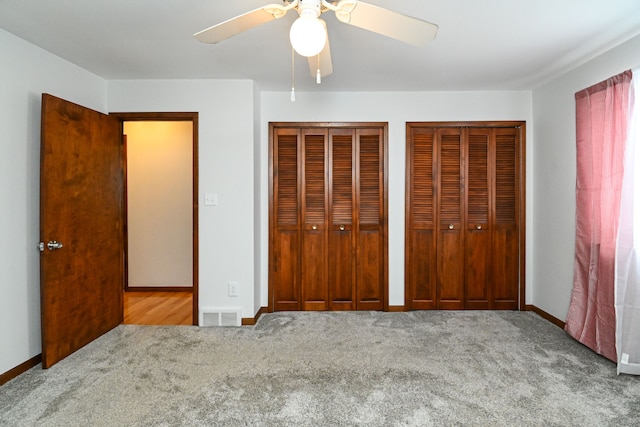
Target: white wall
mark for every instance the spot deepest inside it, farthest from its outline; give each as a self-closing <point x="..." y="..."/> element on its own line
<point x="226" y="167"/>
<point x="554" y="157"/>
<point x="26" y="72"/>
<point x="159" y="203"/>
<point x="395" y="108"/>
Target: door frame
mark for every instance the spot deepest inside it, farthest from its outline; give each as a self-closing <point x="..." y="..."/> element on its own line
<point x="167" y="117"/>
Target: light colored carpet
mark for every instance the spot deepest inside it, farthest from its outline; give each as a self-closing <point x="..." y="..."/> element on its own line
<point x="427" y="368"/>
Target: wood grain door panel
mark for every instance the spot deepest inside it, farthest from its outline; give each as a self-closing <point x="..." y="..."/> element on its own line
<point x="422" y="270"/>
<point x="369" y="267"/>
<point x="342" y="270"/>
<point x="369" y="199"/>
<point x="420" y="252"/>
<point x="476" y="269"/>
<point x="315" y="295"/>
<point x="285" y="234"/>
<point x="81" y="206"/>
<point x="450" y="276"/>
<point x="286" y="272"/>
<point x="478" y="194"/>
<point x="506" y="235"/>
<point x="504" y="268"/>
<point x="314" y="271"/>
<point x="450" y="244"/>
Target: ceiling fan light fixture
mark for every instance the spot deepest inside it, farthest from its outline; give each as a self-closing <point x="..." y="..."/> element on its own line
<point x="308" y="34"/>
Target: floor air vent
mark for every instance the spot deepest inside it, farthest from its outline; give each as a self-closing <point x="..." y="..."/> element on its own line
<point x="220" y="317"/>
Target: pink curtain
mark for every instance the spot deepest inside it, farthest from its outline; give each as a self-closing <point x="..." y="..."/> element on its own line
<point x="601" y="127"/>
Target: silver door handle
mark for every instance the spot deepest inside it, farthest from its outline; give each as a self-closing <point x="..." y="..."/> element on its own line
<point x="53" y="245"/>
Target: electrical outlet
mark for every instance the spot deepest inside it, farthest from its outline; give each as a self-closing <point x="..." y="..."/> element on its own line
<point x="233" y="289"/>
<point x="211" y="199"/>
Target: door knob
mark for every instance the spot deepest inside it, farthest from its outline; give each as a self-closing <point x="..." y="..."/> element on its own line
<point x="314" y="227"/>
<point x="478" y="227"/>
<point x="53" y="245"/>
<point x="342" y="228"/>
<point x="450" y="226"/>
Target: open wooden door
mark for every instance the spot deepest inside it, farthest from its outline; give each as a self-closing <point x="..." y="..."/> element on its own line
<point x="81" y="226"/>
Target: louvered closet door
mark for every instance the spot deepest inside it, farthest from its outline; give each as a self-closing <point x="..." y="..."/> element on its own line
<point x="315" y="295"/>
<point x="370" y="236"/>
<point x="420" y="256"/>
<point x="327" y="218"/>
<point x="450" y="238"/>
<point x="477" y="238"/>
<point x="285" y="239"/>
<point x="475" y="206"/>
<point x="342" y="267"/>
<point x="505" y="234"/>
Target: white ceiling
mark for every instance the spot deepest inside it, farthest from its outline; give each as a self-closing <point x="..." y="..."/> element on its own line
<point x="481" y="45"/>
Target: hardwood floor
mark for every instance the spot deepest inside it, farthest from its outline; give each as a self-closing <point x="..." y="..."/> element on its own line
<point x="158" y="308"/>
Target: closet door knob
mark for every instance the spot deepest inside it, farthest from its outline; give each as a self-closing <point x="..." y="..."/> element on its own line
<point x="450" y="226"/>
<point x="342" y="228"/>
<point x="478" y="227"/>
<point x="314" y="227"/>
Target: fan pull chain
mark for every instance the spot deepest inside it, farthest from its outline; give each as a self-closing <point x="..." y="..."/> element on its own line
<point x="318" y="75"/>
<point x="293" y="76"/>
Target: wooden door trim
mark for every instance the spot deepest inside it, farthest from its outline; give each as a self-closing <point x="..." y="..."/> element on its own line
<point x="182" y="117"/>
<point x="479" y="124"/>
<point x="523" y="211"/>
<point x="520" y="186"/>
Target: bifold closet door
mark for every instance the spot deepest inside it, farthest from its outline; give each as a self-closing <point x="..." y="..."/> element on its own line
<point x="327" y="222"/>
<point x="369" y="219"/>
<point x="450" y="234"/>
<point x="420" y="218"/>
<point x="462" y="217"/>
<point x="314" y="251"/>
<point x="285" y="237"/>
<point x="356" y="254"/>
<point x="477" y="237"/>
<point x="506" y="231"/>
<point x="342" y="261"/>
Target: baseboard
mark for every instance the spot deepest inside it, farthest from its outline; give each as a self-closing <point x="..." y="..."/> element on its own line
<point x="159" y="289"/>
<point x="21" y="368"/>
<point x="250" y="321"/>
<point x="396" y="309"/>
<point x="559" y="323"/>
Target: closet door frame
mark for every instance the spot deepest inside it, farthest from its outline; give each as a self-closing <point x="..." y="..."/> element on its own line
<point x="520" y="186"/>
<point x="383" y="126"/>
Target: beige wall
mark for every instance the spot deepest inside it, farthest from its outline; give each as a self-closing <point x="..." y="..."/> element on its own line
<point x="159" y="203"/>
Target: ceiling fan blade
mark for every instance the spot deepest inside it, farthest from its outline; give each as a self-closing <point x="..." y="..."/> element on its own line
<point x="322" y="60"/>
<point x="240" y="23"/>
<point x="386" y="22"/>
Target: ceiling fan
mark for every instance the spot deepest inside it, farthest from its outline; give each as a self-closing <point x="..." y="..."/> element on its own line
<point x="308" y="33"/>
